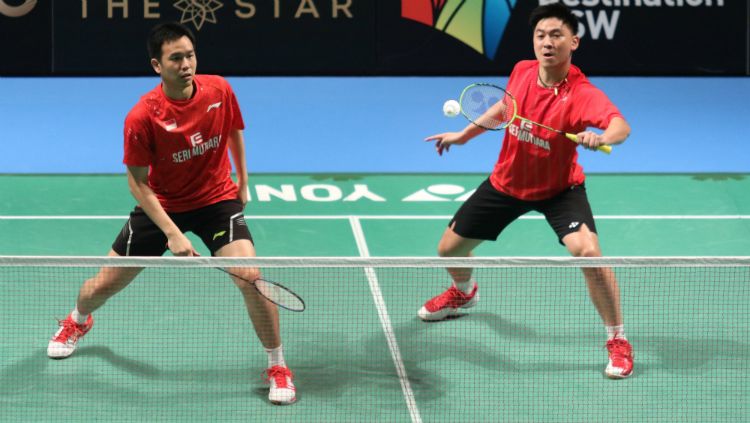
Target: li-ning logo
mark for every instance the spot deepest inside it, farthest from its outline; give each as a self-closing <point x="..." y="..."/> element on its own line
<point x="198" y="11"/>
<point x="479" y="24"/>
<point x="16" y="11"/>
<point x="213" y="106"/>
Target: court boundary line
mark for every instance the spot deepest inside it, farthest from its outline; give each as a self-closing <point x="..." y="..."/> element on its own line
<point x="385" y="321"/>
<point x="398" y="217"/>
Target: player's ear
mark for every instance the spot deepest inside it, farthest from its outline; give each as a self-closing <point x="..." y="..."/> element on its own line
<point x="576" y="41"/>
<point x="156" y="65"/>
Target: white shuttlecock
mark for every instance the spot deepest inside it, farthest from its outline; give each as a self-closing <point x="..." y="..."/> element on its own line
<point x="451" y="108"/>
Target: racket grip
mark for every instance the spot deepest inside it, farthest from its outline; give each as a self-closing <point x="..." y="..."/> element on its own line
<point x="571" y="137"/>
<point x="606" y="149"/>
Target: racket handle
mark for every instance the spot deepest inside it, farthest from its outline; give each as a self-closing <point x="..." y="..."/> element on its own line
<point x="606" y="149"/>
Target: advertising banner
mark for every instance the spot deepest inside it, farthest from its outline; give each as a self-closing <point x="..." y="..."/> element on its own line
<point x="372" y="37"/>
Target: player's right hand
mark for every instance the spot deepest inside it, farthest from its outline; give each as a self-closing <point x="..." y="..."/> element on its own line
<point x="444" y="141"/>
<point x="179" y="245"/>
<point x="590" y="140"/>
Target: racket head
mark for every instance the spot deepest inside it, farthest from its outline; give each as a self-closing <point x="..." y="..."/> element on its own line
<point x="279" y="295"/>
<point x="476" y="101"/>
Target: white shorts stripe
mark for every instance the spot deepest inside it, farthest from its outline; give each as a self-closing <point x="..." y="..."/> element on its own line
<point x="231" y="225"/>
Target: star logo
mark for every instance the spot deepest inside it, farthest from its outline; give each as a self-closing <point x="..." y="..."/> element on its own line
<point x="198" y="11"/>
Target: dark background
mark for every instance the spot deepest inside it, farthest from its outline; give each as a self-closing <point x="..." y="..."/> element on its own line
<point x="54" y="39"/>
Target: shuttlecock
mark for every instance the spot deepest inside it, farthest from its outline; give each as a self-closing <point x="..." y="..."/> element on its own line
<point x="451" y="108"/>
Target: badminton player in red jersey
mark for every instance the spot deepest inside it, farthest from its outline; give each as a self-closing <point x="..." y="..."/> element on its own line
<point x="538" y="170"/>
<point x="177" y="140"/>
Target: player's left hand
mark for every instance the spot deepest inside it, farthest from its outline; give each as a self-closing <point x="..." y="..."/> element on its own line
<point x="590" y="140"/>
<point x="444" y="141"/>
<point x="243" y="194"/>
<point x="181" y="246"/>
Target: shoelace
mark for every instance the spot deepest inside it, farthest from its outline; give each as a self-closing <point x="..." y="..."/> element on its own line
<point x="619" y="347"/>
<point x="71" y="330"/>
<point x="453" y="297"/>
<point x="278" y="374"/>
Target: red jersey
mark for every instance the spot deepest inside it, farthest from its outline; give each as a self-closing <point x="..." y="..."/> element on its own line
<point x="184" y="143"/>
<point x="535" y="163"/>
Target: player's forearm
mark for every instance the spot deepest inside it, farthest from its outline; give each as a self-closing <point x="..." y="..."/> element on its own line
<point x="237" y="150"/>
<point x="471" y="131"/>
<point x="146" y="198"/>
<point x="617" y="131"/>
<point x="150" y="204"/>
<point x="495" y="113"/>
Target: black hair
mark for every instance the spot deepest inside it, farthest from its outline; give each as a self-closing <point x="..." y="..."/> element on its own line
<point x="554" y="10"/>
<point x="166" y="32"/>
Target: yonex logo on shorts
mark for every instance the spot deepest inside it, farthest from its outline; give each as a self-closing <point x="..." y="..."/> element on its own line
<point x="573" y="225"/>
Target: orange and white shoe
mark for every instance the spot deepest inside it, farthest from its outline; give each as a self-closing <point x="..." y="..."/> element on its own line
<point x="282" y="390"/>
<point x="448" y="303"/>
<point x="620" y="363"/>
<point x="64" y="342"/>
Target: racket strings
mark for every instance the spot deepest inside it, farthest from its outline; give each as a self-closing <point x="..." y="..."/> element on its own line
<point x="278" y="295"/>
<point x="272" y="291"/>
<point x="488" y="106"/>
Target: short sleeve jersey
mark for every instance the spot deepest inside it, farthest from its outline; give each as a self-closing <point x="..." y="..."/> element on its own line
<point x="535" y="163"/>
<point x="184" y="143"/>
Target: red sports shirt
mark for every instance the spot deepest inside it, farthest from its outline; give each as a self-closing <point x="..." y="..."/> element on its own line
<point x="184" y="143"/>
<point x="536" y="163"/>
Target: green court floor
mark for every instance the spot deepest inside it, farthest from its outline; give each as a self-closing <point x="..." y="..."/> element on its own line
<point x="307" y="215"/>
<point x="180" y="347"/>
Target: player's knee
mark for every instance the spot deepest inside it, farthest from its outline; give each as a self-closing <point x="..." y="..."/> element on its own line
<point x="245" y="276"/>
<point x="454" y="245"/>
<point x="105" y="284"/>
<point x="446" y="250"/>
<point x="587" y="250"/>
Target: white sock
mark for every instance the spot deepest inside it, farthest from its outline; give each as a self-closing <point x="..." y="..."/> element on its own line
<point x="78" y="317"/>
<point x="615" y="332"/>
<point x="465" y="287"/>
<point x="275" y="357"/>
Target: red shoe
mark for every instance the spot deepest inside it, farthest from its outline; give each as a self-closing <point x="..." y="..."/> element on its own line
<point x="282" y="390"/>
<point x="448" y="303"/>
<point x="63" y="343"/>
<point x="620" y="363"/>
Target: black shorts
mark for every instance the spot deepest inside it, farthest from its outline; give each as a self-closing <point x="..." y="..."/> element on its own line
<point x="488" y="211"/>
<point x="217" y="225"/>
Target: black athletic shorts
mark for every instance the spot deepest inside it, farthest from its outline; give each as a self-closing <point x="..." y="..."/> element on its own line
<point x="217" y="225"/>
<point x="488" y="211"/>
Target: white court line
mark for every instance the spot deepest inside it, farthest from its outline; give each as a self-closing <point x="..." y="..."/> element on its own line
<point x="385" y="321"/>
<point x="405" y="217"/>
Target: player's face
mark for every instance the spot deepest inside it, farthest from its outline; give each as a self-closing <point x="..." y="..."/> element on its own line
<point x="554" y="42"/>
<point x="177" y="64"/>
